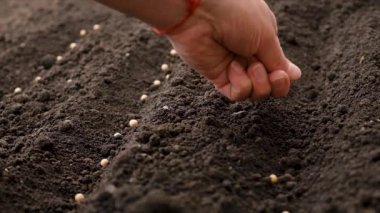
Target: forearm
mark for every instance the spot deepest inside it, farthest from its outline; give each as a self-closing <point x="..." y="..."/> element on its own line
<point x="157" y="13"/>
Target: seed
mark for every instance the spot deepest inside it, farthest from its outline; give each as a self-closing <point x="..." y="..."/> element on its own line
<point x="117" y="135"/>
<point x="96" y="27"/>
<point x="133" y="123"/>
<point x="17" y="90"/>
<point x="104" y="162"/>
<point x="167" y="77"/>
<point x="165" y="107"/>
<point x="143" y="97"/>
<point x="127" y="54"/>
<point x="69" y="80"/>
<point x="79" y="198"/>
<point x="173" y="52"/>
<point x="59" y="58"/>
<point x="157" y="83"/>
<point x="273" y="178"/>
<point x="82" y="32"/>
<point x="164" y="67"/>
<point x="73" y="45"/>
<point x="37" y="79"/>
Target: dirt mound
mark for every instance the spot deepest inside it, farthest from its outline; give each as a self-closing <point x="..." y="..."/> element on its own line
<point x="193" y="150"/>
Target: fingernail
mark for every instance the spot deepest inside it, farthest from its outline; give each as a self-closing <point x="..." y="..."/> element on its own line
<point x="236" y="66"/>
<point x="260" y="74"/>
<point x="280" y="83"/>
<point x="294" y="72"/>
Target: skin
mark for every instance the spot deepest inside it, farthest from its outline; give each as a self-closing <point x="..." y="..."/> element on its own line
<point x="233" y="43"/>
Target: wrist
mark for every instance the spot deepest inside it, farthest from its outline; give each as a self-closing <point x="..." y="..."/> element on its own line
<point x="200" y="16"/>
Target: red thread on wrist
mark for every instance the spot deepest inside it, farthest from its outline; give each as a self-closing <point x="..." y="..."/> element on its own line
<point x="192" y="6"/>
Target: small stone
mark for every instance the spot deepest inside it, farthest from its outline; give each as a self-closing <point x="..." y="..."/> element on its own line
<point x="167" y="77"/>
<point x="48" y="61"/>
<point x="69" y="80"/>
<point x="66" y="125"/>
<point x="165" y="107"/>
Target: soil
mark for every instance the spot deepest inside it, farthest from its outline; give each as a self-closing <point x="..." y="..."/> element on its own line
<point x="193" y="151"/>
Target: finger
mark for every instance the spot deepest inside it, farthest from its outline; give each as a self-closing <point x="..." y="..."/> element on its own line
<point x="280" y="83"/>
<point x="272" y="56"/>
<point x="261" y="87"/>
<point x="238" y="86"/>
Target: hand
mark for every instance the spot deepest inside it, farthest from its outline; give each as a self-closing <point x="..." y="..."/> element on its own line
<point x="234" y="44"/>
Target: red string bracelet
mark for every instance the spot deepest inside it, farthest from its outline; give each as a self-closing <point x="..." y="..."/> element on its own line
<point x="192" y="6"/>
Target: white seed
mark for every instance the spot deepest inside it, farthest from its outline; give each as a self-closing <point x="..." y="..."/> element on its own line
<point x="167" y="77"/>
<point x="73" y="45"/>
<point x="79" y="198"/>
<point x="82" y="32"/>
<point x="37" y="79"/>
<point x="273" y="178"/>
<point x="361" y="59"/>
<point x="104" y="162"/>
<point x="117" y="135"/>
<point x="96" y="27"/>
<point x="165" y="107"/>
<point x="165" y="67"/>
<point x="157" y="83"/>
<point x="69" y="80"/>
<point x="173" y="52"/>
<point x="143" y="97"/>
<point x="17" y="90"/>
<point x="59" y="58"/>
<point x="133" y="123"/>
<point x="127" y="54"/>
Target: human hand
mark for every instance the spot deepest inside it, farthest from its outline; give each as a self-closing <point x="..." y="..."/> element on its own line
<point x="223" y="36"/>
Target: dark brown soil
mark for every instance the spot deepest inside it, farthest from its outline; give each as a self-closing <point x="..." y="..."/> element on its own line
<point x="194" y="151"/>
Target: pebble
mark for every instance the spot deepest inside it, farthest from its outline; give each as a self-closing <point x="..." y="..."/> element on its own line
<point x="167" y="77"/>
<point x="69" y="80"/>
<point x="66" y="125"/>
<point x="48" y="61"/>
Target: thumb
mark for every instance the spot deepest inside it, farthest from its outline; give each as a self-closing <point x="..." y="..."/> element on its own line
<point x="272" y="56"/>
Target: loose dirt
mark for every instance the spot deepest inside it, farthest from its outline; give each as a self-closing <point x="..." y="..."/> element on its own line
<point x="193" y="150"/>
